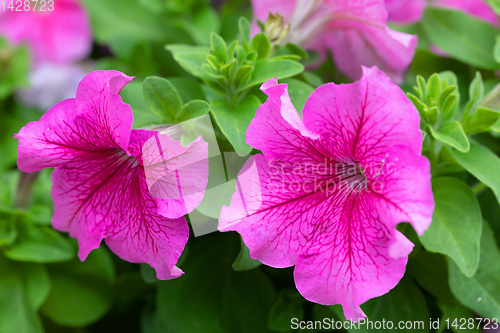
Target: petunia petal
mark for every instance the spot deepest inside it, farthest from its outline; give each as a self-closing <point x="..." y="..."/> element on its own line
<point x="107" y="196"/>
<point x="73" y="128"/>
<point x="390" y="50"/>
<point x="176" y="175"/>
<point x="404" y="11"/>
<point x="349" y="261"/>
<point x="273" y="209"/>
<point x="360" y="118"/>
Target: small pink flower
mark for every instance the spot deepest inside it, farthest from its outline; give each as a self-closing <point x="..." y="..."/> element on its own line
<point x="329" y="190"/>
<point x="105" y="172"/>
<point x="410" y="11"/>
<point x="355" y="31"/>
<point x="58" y="34"/>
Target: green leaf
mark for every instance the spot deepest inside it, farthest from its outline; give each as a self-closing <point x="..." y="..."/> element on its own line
<point x="395" y="306"/>
<point x="234" y="122"/>
<point x="462" y="36"/>
<point x="261" y="44"/>
<point x="192" y="110"/>
<point x="244" y="28"/>
<point x="23" y="288"/>
<point x="452" y="134"/>
<point x="480" y="292"/>
<point x="162" y="98"/>
<point x="482" y="120"/>
<point x="8" y="230"/>
<point x="218" y="48"/>
<point x="39" y="244"/>
<point x="133" y="94"/>
<point x="483" y="164"/>
<point x="433" y="88"/>
<point x="266" y="69"/>
<point x="431" y="272"/>
<point x="456" y="224"/>
<point x="191" y="58"/>
<point x="187" y="88"/>
<point x="243" y="261"/>
<point x="113" y="19"/>
<point x="81" y="291"/>
<point x="496" y="50"/>
<point x="238" y="301"/>
<point x="495" y="5"/>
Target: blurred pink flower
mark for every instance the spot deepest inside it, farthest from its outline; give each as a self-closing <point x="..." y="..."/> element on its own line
<point x="59" y="34"/>
<point x="329" y="190"/>
<point x="105" y="173"/>
<point x="49" y="84"/>
<point x="355" y="31"/>
<point x="410" y="11"/>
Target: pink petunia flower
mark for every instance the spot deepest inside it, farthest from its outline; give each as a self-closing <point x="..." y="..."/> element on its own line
<point x="411" y="11"/>
<point x="105" y="173"/>
<point x="355" y="31"/>
<point x="329" y="190"/>
<point x="56" y="31"/>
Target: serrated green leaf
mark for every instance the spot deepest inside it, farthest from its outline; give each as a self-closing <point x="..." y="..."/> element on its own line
<point x="162" y="98"/>
<point x="452" y="134"/>
<point x="483" y="164"/>
<point x="456" y="224"/>
<point x="480" y="292"/>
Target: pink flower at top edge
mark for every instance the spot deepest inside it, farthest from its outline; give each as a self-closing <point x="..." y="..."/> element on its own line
<point x="328" y="191"/>
<point x="354" y="31"/>
<point x="411" y="11"/>
<point x="59" y="34"/>
<point x="105" y="173"/>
